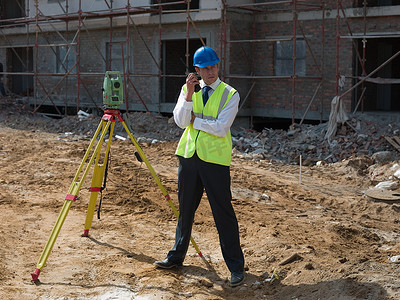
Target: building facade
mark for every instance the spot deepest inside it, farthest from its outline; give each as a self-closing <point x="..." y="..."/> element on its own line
<point x="288" y="59"/>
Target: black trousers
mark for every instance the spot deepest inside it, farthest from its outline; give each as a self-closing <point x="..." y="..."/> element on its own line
<point x="195" y="175"/>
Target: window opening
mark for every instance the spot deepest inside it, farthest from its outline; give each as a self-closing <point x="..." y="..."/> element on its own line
<point x="283" y="55"/>
<point x="65" y="59"/>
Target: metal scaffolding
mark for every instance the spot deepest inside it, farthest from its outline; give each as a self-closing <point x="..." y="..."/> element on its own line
<point x="294" y="7"/>
<point x="359" y="81"/>
<point x="64" y="32"/>
<point x="70" y="25"/>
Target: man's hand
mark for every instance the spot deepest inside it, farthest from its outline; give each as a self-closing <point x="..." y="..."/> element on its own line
<point x="192" y="119"/>
<point x="191" y="81"/>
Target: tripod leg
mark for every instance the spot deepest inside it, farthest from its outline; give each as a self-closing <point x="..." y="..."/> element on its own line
<point x="143" y="156"/>
<point x="163" y="190"/>
<point x="97" y="179"/>
<point x="71" y="196"/>
<point x="52" y="239"/>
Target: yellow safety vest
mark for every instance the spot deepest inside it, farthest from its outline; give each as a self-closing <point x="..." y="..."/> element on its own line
<point x="209" y="148"/>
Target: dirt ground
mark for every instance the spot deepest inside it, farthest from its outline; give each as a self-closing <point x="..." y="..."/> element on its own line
<point x="323" y="237"/>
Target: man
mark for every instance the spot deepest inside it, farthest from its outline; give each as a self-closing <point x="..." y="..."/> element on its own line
<point x="204" y="154"/>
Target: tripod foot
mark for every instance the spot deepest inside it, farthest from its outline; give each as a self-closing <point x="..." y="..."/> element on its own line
<point x="85" y="233"/>
<point x="35" y="275"/>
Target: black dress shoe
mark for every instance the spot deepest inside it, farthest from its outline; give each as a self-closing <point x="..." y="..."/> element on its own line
<point x="237" y="278"/>
<point x="166" y="264"/>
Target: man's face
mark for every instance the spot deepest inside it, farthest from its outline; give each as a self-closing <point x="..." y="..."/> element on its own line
<point x="208" y="74"/>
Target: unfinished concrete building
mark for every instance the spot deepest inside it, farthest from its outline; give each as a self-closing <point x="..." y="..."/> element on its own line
<point x="288" y="59"/>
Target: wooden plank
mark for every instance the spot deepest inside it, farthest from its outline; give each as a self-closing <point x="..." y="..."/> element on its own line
<point x="393" y="142"/>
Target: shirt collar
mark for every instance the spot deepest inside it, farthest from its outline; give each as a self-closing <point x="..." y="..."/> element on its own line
<point x="213" y="85"/>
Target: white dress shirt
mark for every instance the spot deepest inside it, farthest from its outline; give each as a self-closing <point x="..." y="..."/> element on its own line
<point x="219" y="127"/>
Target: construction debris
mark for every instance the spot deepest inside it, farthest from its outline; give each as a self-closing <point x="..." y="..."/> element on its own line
<point x="361" y="135"/>
<point x="394" y="141"/>
<point x="290" y="259"/>
<point x="357" y="137"/>
<point x="395" y="259"/>
<point x="387" y="185"/>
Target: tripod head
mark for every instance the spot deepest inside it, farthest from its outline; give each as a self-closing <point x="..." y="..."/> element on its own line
<point x="113" y="95"/>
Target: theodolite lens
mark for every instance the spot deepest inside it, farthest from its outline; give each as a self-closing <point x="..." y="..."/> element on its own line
<point x="117" y="85"/>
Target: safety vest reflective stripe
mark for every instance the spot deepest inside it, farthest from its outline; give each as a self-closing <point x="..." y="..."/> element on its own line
<point x="224" y="97"/>
<point x="187" y="143"/>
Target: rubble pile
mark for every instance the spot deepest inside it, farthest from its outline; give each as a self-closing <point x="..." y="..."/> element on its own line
<point x="357" y="137"/>
<point x="145" y="127"/>
<point x="360" y="136"/>
<point x="16" y="113"/>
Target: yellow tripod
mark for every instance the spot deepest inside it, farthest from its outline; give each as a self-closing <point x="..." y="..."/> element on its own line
<point x="107" y="123"/>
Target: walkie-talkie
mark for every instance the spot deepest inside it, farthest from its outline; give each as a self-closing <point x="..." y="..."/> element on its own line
<point x="197" y="86"/>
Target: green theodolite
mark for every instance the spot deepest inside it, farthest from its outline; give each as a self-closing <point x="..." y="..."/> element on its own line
<point x="113" y="94"/>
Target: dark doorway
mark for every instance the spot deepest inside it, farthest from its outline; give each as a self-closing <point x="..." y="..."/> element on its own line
<point x="372" y="3"/>
<point x="20" y="60"/>
<point x="174" y="63"/>
<point x="11" y="9"/>
<point x="383" y="89"/>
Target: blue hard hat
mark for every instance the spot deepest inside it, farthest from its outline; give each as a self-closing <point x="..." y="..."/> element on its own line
<point x="204" y="57"/>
